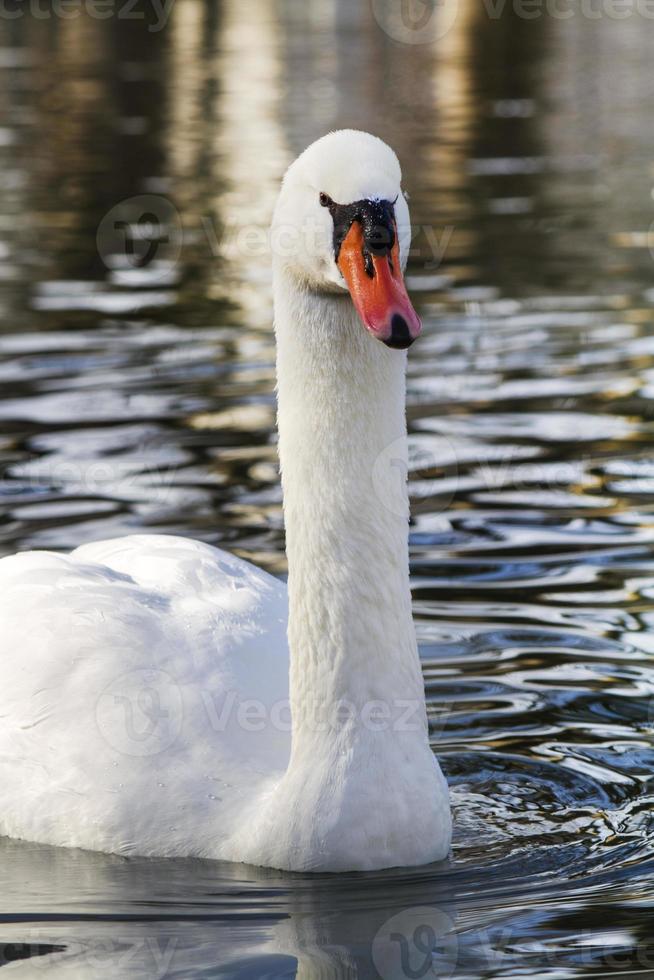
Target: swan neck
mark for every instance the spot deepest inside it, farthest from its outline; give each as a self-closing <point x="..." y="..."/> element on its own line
<point x="342" y="446"/>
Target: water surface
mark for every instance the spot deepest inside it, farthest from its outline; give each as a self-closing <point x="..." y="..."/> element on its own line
<point x="137" y="394"/>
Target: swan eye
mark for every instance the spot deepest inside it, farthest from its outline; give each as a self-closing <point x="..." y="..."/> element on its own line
<point x="325" y="200"/>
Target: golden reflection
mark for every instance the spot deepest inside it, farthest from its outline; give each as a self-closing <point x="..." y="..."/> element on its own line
<point x="189" y="114"/>
<point x="249" y="144"/>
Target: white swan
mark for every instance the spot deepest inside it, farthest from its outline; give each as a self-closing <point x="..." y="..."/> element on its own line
<point x="143" y="705"/>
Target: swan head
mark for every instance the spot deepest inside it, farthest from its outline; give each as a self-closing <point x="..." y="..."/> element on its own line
<point x="341" y="225"/>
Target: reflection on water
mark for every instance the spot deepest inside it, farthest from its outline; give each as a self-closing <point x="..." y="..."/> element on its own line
<point x="137" y="392"/>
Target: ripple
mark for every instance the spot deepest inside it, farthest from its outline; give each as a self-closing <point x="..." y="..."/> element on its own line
<point x="142" y="398"/>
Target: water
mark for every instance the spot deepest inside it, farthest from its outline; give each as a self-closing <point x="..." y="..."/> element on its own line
<point x="137" y="393"/>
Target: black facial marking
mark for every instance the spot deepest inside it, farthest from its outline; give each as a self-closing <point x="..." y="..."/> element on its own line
<point x="377" y="220"/>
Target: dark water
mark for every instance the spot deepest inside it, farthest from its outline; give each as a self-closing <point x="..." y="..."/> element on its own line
<point x="137" y="393"/>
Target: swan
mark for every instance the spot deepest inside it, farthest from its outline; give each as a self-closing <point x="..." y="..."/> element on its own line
<point x="163" y="697"/>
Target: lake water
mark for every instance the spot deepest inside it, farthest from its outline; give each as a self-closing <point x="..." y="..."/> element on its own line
<point x="136" y="359"/>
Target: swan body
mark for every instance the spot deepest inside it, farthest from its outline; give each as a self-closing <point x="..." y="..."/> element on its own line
<point x="162" y="697"/>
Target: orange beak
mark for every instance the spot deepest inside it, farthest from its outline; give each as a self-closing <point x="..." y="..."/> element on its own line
<point x="377" y="290"/>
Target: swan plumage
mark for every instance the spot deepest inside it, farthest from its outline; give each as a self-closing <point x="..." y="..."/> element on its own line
<point x="126" y="665"/>
<point x="163" y="697"/>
